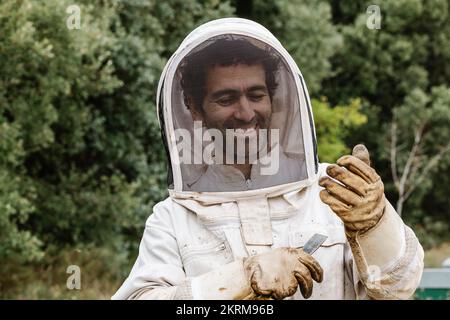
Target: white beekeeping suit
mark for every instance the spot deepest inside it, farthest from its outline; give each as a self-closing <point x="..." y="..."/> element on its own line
<point x="247" y="191"/>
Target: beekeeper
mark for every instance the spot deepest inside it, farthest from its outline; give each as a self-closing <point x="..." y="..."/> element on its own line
<point x="247" y="190"/>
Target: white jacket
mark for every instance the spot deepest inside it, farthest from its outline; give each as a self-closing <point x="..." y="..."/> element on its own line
<point x="183" y="239"/>
<point x="194" y="242"/>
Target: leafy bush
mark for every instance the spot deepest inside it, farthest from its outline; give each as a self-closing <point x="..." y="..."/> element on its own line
<point x="81" y="159"/>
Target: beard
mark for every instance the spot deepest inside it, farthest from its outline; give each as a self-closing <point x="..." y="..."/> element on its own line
<point x="245" y="139"/>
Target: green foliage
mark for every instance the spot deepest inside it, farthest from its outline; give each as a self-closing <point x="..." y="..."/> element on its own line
<point x="81" y="159"/>
<point x="306" y="31"/>
<point x="402" y="72"/>
<point x="333" y="125"/>
<point x="422" y="125"/>
<point x="101" y="273"/>
<point x="383" y="65"/>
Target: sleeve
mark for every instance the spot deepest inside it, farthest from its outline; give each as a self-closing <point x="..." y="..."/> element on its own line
<point x="158" y="271"/>
<point x="386" y="262"/>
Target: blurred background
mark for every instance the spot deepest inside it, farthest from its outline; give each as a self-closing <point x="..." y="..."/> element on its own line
<point x="81" y="158"/>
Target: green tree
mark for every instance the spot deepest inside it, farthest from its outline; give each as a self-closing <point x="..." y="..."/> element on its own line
<point x="306" y="31"/>
<point x="333" y="124"/>
<point x="402" y="71"/>
<point x="81" y="147"/>
<point x="419" y="148"/>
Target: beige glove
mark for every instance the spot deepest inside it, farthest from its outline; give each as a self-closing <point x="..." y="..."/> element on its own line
<point x="358" y="199"/>
<point x="278" y="273"/>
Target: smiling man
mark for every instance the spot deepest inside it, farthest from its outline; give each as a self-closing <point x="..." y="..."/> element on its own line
<point x="233" y="230"/>
<point x="229" y="86"/>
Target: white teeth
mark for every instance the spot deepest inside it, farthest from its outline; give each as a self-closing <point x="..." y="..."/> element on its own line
<point x="245" y="129"/>
<point x="244" y="132"/>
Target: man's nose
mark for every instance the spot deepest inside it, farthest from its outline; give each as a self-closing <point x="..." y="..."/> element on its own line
<point x="244" y="111"/>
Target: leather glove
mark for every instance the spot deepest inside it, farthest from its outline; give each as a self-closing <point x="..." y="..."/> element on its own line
<point x="357" y="193"/>
<point x="279" y="272"/>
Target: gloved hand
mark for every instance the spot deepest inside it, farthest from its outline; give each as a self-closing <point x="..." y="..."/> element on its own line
<point x="359" y="197"/>
<point x="279" y="272"/>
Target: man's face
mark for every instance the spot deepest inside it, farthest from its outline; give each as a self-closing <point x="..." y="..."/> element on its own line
<point x="236" y="98"/>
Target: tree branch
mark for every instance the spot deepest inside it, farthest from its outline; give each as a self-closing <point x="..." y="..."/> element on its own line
<point x="411" y="156"/>
<point x="394" y="154"/>
<point x="433" y="162"/>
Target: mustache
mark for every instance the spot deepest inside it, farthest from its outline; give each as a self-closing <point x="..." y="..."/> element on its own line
<point x="237" y="123"/>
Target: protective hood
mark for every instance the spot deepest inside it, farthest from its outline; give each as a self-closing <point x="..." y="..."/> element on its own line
<point x="235" y="115"/>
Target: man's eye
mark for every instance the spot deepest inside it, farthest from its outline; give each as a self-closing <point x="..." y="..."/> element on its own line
<point x="257" y="97"/>
<point x="225" y="101"/>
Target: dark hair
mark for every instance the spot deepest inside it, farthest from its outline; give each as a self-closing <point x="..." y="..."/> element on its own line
<point x="223" y="52"/>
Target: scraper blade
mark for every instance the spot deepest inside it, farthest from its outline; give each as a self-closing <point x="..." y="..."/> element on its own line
<point x="314" y="243"/>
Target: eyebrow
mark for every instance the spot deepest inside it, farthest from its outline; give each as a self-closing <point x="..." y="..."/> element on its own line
<point x="224" y="92"/>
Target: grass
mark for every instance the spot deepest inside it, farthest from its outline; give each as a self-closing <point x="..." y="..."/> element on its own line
<point x="102" y="272"/>
<point x="435" y="256"/>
